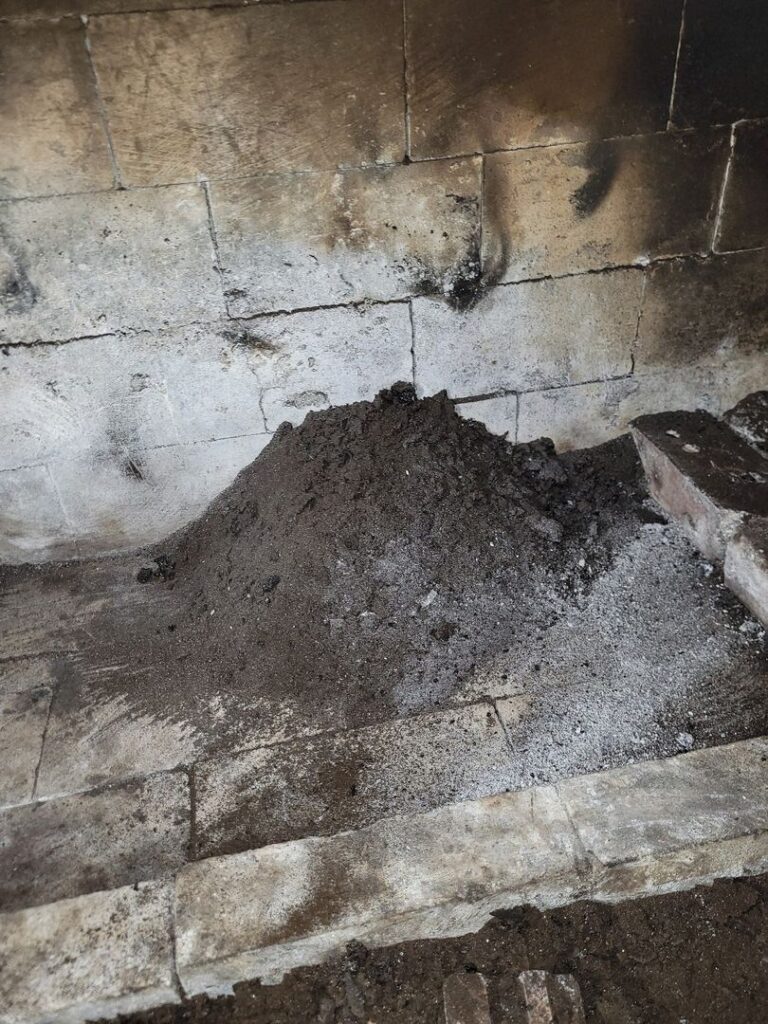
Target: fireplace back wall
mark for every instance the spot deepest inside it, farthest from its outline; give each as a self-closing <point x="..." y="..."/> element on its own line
<point x="214" y="218"/>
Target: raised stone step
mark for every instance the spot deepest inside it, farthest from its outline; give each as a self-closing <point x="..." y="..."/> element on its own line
<point x="704" y="474"/>
<point x="746" y="567"/>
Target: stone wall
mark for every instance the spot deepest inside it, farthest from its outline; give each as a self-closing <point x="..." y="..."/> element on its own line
<point x="216" y="218"/>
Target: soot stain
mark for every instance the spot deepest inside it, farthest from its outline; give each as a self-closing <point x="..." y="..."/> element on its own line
<point x="243" y="338"/>
<point x="602" y="162"/>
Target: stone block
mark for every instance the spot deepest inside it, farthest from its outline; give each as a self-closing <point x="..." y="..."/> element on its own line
<point x="103" y="839"/>
<point x="269" y="87"/>
<point x="660" y="824"/>
<point x="89" y="957"/>
<point x="346" y="780"/>
<point x="528" y="336"/>
<point x="562" y="210"/>
<point x="744" y="222"/>
<point x="288" y="241"/>
<point x="722" y="74"/>
<point x="132" y="498"/>
<point x="746" y="567"/>
<point x="259" y="913"/>
<point x="590" y="414"/>
<point x="550" y="998"/>
<point x="330" y="357"/>
<point x="23" y="717"/>
<point x="32" y="520"/>
<point x="62" y="8"/>
<point x="465" y="999"/>
<point x="95" y="264"/>
<point x="53" y="136"/>
<point x="700" y="313"/>
<point x="703" y="474"/>
<point x="524" y="74"/>
<point x="498" y="414"/>
<point x="110" y="395"/>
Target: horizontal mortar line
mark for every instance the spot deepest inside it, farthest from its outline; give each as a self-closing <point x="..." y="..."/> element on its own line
<point x="370" y="303"/>
<point x="630" y="375"/>
<point x="235" y="752"/>
<point x="200" y="178"/>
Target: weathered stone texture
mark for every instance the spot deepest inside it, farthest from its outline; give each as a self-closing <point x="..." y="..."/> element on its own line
<point x="437" y="874"/>
<point x="722" y="73"/>
<point x="744" y="221"/>
<point x="90" y="841"/>
<point x="32" y="521"/>
<point x="700" y="313"/>
<point x="704" y="474"/>
<point x="465" y="999"/>
<point x="294" y="240"/>
<point x="270" y="87"/>
<point x="52" y="136"/>
<point x="499" y="414"/>
<point x="527" y="336"/>
<point x="84" y="265"/>
<point x="329" y="357"/>
<point x="330" y="783"/>
<point x="89" y="957"/>
<point x="513" y="75"/>
<point x="562" y="210"/>
<point x="23" y="717"/>
<point x="590" y="414"/>
<point x="746" y="567"/>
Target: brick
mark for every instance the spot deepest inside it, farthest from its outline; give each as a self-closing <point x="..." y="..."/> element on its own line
<point x="330" y="357"/>
<point x="561" y="210"/>
<point x="704" y="312"/>
<point x="465" y="999"/>
<point x="703" y="474"/>
<point x="527" y="336"/>
<point x="274" y="87"/>
<point x="516" y="75"/>
<point x="90" y="957"/>
<point x="645" y="824"/>
<point x="590" y="414"/>
<point x="53" y="138"/>
<point x="82" y="265"/>
<point x="292" y="240"/>
<point x="722" y="73"/>
<point x="433" y="874"/>
<point x="112" y="394"/>
<point x="134" y="498"/>
<point x="746" y="567"/>
<point x="550" y="998"/>
<point x="330" y="783"/>
<point x="90" y="841"/>
<point x="32" y="520"/>
<point x="498" y="415"/>
<point x="744" y="221"/>
<point x="23" y="718"/>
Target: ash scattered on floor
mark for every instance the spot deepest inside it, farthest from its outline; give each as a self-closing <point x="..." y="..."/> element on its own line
<point x="697" y="957"/>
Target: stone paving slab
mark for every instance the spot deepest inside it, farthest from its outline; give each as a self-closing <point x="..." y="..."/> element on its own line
<point x="551" y="211"/>
<point x="293" y="240"/>
<point x="437" y="873"/>
<point x="640" y="829"/>
<point x="270" y="87"/>
<point x="88" y="957"/>
<point x="53" y="136"/>
<point x="703" y="474"/>
<point x="746" y="567"/>
<point x="549" y="82"/>
<point x="23" y="719"/>
<point x="104" y="839"/>
<point x="95" y="264"/>
<point x="32" y="521"/>
<point x="329" y="783"/>
<point x="527" y="336"/>
<point x="465" y="999"/>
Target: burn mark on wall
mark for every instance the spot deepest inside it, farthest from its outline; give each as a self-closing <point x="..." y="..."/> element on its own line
<point x="17" y="293"/>
<point x="602" y="163"/>
<point x="131" y="467"/>
<point x="243" y="337"/>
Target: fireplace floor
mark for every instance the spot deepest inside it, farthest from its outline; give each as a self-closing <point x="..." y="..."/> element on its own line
<point x="515" y="619"/>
